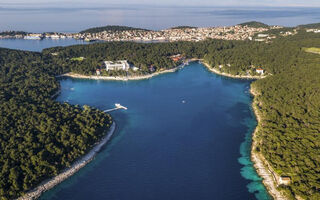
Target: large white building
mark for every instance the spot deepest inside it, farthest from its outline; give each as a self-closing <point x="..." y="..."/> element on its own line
<point x="33" y="36"/>
<point x="117" y="65"/>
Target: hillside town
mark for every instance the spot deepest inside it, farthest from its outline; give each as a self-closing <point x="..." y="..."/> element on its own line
<point x="34" y="36"/>
<point x="180" y="34"/>
<point x="174" y="34"/>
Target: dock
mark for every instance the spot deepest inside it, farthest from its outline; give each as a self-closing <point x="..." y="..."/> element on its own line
<point x="117" y="107"/>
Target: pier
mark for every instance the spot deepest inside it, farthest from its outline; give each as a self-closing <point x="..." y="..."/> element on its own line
<point x="117" y="107"/>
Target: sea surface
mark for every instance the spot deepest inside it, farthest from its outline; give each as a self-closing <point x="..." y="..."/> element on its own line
<point x="38" y="45"/>
<point x="71" y="17"/>
<point x="185" y="136"/>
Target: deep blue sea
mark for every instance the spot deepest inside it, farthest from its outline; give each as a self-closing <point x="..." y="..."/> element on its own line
<point x="186" y="135"/>
<point x="67" y="16"/>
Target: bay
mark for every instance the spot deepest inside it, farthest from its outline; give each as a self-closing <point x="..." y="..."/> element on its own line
<point x="185" y="135"/>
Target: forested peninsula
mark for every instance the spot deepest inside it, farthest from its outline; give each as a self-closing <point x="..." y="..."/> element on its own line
<point x="40" y="137"/>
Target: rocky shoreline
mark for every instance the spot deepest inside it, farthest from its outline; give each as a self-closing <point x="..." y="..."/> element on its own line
<point x="230" y="75"/>
<point x="117" y="78"/>
<point x="76" y="166"/>
<point x="263" y="168"/>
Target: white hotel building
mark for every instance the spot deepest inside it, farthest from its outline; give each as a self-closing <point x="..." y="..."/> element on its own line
<point x="117" y="65"/>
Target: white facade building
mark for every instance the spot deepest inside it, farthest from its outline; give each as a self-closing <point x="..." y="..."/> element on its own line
<point x="284" y="180"/>
<point x="260" y="71"/>
<point x="33" y="36"/>
<point x="117" y="65"/>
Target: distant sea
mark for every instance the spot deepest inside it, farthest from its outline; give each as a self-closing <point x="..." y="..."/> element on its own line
<point x="74" y="18"/>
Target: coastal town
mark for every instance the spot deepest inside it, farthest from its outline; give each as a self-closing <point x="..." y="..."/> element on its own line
<point x="237" y="32"/>
<point x="177" y="34"/>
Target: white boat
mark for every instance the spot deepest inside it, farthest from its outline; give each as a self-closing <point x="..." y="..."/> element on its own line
<point x="118" y="105"/>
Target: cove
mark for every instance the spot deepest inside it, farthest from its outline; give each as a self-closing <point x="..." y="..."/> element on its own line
<point x="185" y="135"/>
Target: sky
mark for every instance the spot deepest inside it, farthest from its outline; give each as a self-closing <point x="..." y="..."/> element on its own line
<point x="273" y="3"/>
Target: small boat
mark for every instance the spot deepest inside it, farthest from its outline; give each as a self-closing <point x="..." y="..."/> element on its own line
<point x="119" y="106"/>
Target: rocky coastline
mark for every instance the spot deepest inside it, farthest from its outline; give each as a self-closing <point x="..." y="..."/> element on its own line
<point x="263" y="168"/>
<point x="76" y="166"/>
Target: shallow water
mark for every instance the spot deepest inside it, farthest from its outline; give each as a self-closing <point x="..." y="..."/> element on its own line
<point x="185" y="135"/>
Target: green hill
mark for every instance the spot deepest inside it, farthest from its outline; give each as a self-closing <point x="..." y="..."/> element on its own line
<point x="315" y="25"/>
<point x="110" y="28"/>
<point x="13" y="33"/>
<point x="255" y="24"/>
<point x="182" y="27"/>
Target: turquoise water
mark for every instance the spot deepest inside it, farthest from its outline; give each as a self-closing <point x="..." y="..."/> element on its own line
<point x="185" y="135"/>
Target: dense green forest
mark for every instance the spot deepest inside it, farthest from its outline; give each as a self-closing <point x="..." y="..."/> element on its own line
<point x="38" y="136"/>
<point x="289" y="103"/>
<point x="138" y="54"/>
<point x="315" y="25"/>
<point x="289" y="131"/>
<point x="110" y="28"/>
<point x="255" y="24"/>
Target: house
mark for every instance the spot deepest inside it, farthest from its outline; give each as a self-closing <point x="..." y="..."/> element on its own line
<point x="134" y="68"/>
<point x="284" y="180"/>
<point x="260" y="71"/>
<point x="117" y="65"/>
<point x="151" y="68"/>
<point x="176" y="58"/>
<point x="263" y="35"/>
<point x="98" y="71"/>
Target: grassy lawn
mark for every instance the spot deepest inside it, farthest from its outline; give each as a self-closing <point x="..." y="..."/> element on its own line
<point x="78" y="58"/>
<point x="312" y="50"/>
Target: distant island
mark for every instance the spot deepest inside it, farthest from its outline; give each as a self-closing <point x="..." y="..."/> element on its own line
<point x="178" y="33"/>
<point x="255" y="24"/>
<point x="53" y="135"/>
<point x="112" y="29"/>
<point x="310" y="26"/>
<point x="245" y="31"/>
<point x="183" y="27"/>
